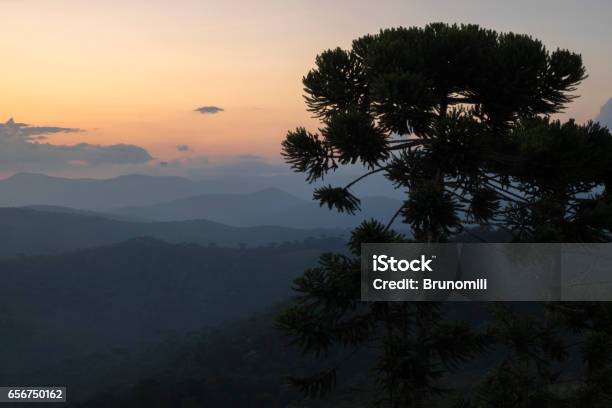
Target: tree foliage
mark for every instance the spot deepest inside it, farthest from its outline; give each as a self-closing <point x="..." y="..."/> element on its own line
<point x="459" y="118"/>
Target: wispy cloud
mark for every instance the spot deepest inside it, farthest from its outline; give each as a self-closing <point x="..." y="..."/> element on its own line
<point x="22" y="149"/>
<point x="211" y="110"/>
<point x="183" y="148"/>
<point x="35" y="132"/>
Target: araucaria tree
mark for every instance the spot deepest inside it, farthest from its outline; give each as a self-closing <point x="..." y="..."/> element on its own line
<point x="458" y="117"/>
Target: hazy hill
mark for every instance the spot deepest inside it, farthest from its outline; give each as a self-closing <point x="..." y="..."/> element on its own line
<point x="233" y="209"/>
<point x="313" y="215"/>
<point x="29" y="231"/>
<point x="70" y="210"/>
<point x="38" y="189"/>
<point x="26" y="189"/>
<point x="266" y="207"/>
<point x="134" y="293"/>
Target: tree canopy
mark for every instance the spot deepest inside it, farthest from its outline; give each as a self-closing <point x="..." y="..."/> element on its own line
<point x="458" y="116"/>
<point x="460" y="119"/>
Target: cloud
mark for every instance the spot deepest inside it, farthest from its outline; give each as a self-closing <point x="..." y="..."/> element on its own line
<point x="22" y="149"/>
<point x="605" y="114"/>
<point x="209" y="109"/>
<point x="32" y="133"/>
<point x="183" y="148"/>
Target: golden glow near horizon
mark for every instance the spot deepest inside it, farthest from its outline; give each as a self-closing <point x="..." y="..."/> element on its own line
<point x="134" y="71"/>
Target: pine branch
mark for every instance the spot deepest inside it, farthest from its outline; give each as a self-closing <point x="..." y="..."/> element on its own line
<point x="349" y="185"/>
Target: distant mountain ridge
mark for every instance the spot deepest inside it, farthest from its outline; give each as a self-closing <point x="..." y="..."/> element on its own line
<point x="266" y="207"/>
<point x="26" y="189"/>
<point x="29" y="231"/>
<point x="85" y="193"/>
<point x="226" y="208"/>
<point x="164" y="198"/>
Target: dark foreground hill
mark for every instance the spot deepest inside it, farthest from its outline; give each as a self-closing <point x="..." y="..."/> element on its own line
<point x="30" y="231"/>
<point x="244" y="363"/>
<point x="127" y="295"/>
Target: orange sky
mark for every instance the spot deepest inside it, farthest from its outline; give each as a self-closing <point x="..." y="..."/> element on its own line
<point x="133" y="71"/>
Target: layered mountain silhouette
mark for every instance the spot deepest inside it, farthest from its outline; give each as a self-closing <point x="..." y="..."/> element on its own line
<point x="266" y="207"/>
<point x="30" y="189"/>
<point x="38" y="189"/>
<point x="28" y="231"/>
<point x="226" y="208"/>
<point x="154" y="198"/>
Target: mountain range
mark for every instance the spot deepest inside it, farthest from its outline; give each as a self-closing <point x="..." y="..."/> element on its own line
<point x="153" y="198"/>
<point x="38" y="189"/>
<point x="266" y="207"/>
<point x="140" y="190"/>
<point x="30" y="231"/>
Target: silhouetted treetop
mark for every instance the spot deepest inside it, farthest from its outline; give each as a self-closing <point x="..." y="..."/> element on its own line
<point x="458" y="116"/>
<point x="405" y="77"/>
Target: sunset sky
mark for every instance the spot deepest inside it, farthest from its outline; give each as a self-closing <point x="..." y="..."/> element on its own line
<point x="133" y="72"/>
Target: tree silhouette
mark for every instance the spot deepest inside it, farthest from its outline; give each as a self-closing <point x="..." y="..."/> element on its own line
<point x="458" y="117"/>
